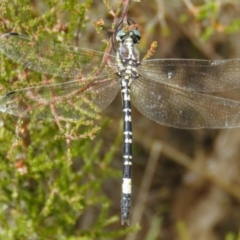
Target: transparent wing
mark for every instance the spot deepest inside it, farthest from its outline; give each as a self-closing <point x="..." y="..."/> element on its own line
<point x="93" y="87"/>
<point x="55" y="59"/>
<point x="66" y="101"/>
<point x="175" y="107"/>
<point x="194" y="75"/>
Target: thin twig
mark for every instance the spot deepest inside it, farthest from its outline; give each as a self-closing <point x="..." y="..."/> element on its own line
<point x="190" y="6"/>
<point x="126" y="5"/>
<point x="161" y="13"/>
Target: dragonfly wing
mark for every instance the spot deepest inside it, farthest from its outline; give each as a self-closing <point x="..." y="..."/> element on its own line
<point x="55" y="59"/>
<point x="67" y="101"/>
<point x="194" y="75"/>
<point x="175" y="107"/>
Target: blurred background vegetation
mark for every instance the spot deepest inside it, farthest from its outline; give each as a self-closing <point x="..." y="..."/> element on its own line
<point x="191" y="178"/>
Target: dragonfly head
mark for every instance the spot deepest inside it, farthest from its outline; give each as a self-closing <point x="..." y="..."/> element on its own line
<point x="122" y="35"/>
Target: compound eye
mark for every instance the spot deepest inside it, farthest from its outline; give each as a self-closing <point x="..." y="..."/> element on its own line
<point x="136" y="36"/>
<point x="120" y="35"/>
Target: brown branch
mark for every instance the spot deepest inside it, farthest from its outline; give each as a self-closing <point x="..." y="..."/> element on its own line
<point x="188" y="163"/>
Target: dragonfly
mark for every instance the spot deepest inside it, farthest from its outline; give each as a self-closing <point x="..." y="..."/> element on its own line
<point x="171" y="92"/>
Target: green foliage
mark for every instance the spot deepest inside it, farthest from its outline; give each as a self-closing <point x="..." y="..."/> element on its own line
<point x="182" y="231"/>
<point x="207" y="10"/>
<point x="232" y="236"/>
<point x="42" y="196"/>
<point x="207" y="17"/>
<point x="155" y="229"/>
<point x="234" y="26"/>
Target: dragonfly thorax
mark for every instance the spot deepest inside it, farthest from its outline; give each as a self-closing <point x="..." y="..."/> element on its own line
<point x="127" y="54"/>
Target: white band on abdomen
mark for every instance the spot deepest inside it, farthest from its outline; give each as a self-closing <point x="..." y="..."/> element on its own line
<point x="126" y="186"/>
